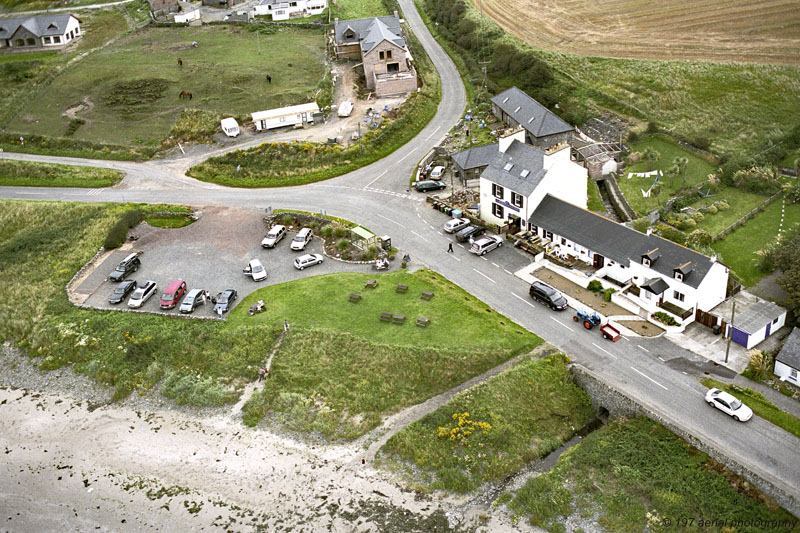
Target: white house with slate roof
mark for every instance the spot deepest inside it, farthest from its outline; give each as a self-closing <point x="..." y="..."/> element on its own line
<point x="787" y="362"/>
<point x="543" y="128"/>
<point x="518" y="177"/>
<point x="38" y="33"/>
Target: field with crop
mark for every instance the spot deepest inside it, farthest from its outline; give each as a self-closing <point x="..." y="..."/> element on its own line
<point x="128" y="93"/>
<point x="708" y="30"/>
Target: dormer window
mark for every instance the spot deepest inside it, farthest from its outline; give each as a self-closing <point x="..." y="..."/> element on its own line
<point x="508" y="167"/>
<point x="678" y="275"/>
<point x="52" y="27"/>
<point x="646" y="262"/>
<point x="349" y="34"/>
<point x="682" y="272"/>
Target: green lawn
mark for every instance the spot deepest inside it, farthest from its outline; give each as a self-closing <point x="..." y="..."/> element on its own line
<point x="633" y="475"/>
<point x="594" y="201"/>
<point x="738" y="249"/>
<point x="359" y="9"/>
<point x="760" y="406"/>
<point x="30" y="174"/>
<point x="133" y="85"/>
<point x="530" y="410"/>
<point x="697" y="171"/>
<point x="741" y="202"/>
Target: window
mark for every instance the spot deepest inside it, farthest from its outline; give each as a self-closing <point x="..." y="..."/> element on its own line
<point x="497" y="210"/>
<point x="678" y="296"/>
<point x="380" y="54"/>
<point x="393" y="67"/>
<point x="46" y="40"/>
<point x="349" y="34"/>
<point x="548" y="235"/>
<point x="31" y="41"/>
<point x="645" y="262"/>
<point x="497" y="191"/>
<point x="525" y="173"/>
<point x="516" y="199"/>
<point x="775" y="321"/>
<point x="388" y="54"/>
<point x="19" y="42"/>
<point x="292" y="4"/>
<point x="508" y="167"/>
<point x="793" y="374"/>
<point x="646" y="294"/>
<point x="57" y="39"/>
<point x="563" y="240"/>
<point x="678" y="276"/>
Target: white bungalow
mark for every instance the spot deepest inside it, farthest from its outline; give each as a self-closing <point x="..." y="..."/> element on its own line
<point x="787" y="362"/>
<point x="286" y="9"/>
<point x="285" y="116"/>
<point x="39" y="32"/>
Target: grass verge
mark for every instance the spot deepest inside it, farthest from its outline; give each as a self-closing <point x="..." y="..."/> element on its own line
<point x="493" y="429"/>
<point x="594" y="201"/>
<point x="634" y="475"/>
<point x="759" y="404"/>
<point x="31" y="174"/>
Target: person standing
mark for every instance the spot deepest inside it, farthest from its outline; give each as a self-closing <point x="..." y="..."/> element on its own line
<point x="450" y="248"/>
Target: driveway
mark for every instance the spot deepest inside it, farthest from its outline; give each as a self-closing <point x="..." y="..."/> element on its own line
<point x="208" y="254"/>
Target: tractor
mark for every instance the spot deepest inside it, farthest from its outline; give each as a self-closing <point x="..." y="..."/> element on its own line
<point x="589" y="321"/>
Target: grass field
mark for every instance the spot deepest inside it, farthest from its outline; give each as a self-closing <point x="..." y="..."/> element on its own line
<point x="531" y="410"/>
<point x="738" y="249"/>
<point x="24" y="173"/>
<point x="631" y="476"/>
<point x="359" y="9"/>
<point x="130" y="89"/>
<point x="13" y="6"/>
<point x="735" y="30"/>
<point x="741" y="202"/>
<point x="697" y="171"/>
<point x="594" y="201"/>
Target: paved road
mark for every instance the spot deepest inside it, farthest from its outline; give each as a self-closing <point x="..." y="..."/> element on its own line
<point x="648" y="370"/>
<point x="64" y="9"/>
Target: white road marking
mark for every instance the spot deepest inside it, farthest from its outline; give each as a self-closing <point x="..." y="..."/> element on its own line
<point x="495" y="264"/>
<point x="684" y="373"/>
<point x="408" y="154"/>
<point x="523" y="299"/>
<point x="432" y="134"/>
<point x="483" y="258"/>
<point x="390" y="220"/>
<point x="643" y="348"/>
<point x="662" y="359"/>
<point x="420" y="236"/>
<point x="439" y="232"/>
<point x="35" y="193"/>
<point x="651" y="379"/>
<point x="419" y="216"/>
<point x="484" y="275"/>
<point x="376" y="179"/>
<point x="94" y="192"/>
<point x="557" y="321"/>
<point x="508" y="272"/>
<point x="461" y="245"/>
<point x="604" y="351"/>
<point x="454" y="257"/>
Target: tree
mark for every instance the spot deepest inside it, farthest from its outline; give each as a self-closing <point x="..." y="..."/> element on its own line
<point x="656" y="190"/>
<point x="651" y="155"/>
<point x="786" y="257"/>
<point x="681" y="162"/>
<point x="671" y="172"/>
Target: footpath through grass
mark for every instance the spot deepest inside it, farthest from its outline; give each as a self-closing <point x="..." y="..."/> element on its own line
<point x="341" y="368"/>
<point x="759" y="404"/>
<point x="31" y="174"/>
<point x="634" y="475"/>
<point x="493" y="429"/>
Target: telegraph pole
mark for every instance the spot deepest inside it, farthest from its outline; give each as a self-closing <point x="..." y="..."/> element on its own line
<point x="728" y="347"/>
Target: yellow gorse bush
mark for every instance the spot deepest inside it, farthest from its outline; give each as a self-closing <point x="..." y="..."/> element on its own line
<point x="462" y="428"/>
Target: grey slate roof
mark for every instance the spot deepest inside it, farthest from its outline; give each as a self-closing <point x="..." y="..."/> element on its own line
<point x="756" y="316"/>
<point x="655" y="285"/>
<point x="39" y="25"/>
<point x="790" y="353"/>
<point x="615" y="241"/>
<point x="362" y="28"/>
<point x="530" y="114"/>
<point x="523" y="157"/>
<point x="477" y="156"/>
<point x="379" y="32"/>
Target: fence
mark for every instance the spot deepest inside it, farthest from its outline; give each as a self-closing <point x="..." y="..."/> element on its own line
<point x="745" y="218"/>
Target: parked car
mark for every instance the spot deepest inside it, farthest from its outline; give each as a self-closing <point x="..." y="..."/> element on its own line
<point x="302" y="238"/>
<point x="126" y="266"/>
<point x="274" y="236"/>
<point x="122" y="291"/>
<point x="193" y="299"/>
<point x="547" y="295"/>
<point x="436" y="173"/>
<point x="307" y="260"/>
<point x="455" y="224"/>
<point x="729" y="404"/>
<point x="468" y="233"/>
<point x="486" y="244"/>
<point x="225" y="301"/>
<point x="172" y="294"/>
<point x="429" y="185"/>
<point x="255" y="270"/>
<point x="143" y="292"/>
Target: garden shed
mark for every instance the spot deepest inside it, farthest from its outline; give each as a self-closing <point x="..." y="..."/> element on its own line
<point x="755" y="319"/>
<point x="787" y="362"/>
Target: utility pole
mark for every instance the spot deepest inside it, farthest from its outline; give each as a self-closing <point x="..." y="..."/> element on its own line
<point x="359" y="137"/>
<point x="728" y="347"/>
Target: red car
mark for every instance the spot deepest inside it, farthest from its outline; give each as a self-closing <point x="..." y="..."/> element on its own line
<point x="172" y="294"/>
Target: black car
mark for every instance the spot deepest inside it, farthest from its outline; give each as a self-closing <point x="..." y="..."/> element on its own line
<point x="125" y="267"/>
<point x="464" y="235"/>
<point x="548" y="296"/>
<point x="429" y="185"/>
<point x="122" y="291"/>
<point x="225" y="301"/>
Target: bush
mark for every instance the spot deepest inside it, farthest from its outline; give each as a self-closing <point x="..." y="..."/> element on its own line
<point x="634" y="158"/>
<point x="342" y="245"/>
<point x="595" y="286"/>
<point x="664" y="318"/>
<point x="633" y="137"/>
<point x="652" y="127"/>
<point x="607" y="293"/>
<point x="723" y="205"/>
<point x="327" y="231"/>
<point x="699" y="238"/>
<point x="712" y="210"/>
<point x="340" y="232"/>
<point x="688" y="224"/>
<point x="119" y="231"/>
<point x="792" y="194"/>
<point x="195" y="390"/>
<point x="641" y="224"/>
<point x="74" y="124"/>
<point x="698" y="217"/>
<point x="759" y="180"/>
<point x="670" y="233"/>
<point x="287" y="220"/>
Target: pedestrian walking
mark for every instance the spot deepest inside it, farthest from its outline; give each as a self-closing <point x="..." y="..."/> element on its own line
<point x="261" y="374"/>
<point x="450" y="248"/>
<point x="266" y="372"/>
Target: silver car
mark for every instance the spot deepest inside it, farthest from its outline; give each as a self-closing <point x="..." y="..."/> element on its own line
<point x="486" y="244"/>
<point x="143" y="292"/>
<point x="453" y="225"/>
<point x="275" y="234"/>
<point x="307" y="260"/>
<point x="194" y="299"/>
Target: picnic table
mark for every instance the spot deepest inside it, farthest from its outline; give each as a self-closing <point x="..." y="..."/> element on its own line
<point x="386" y="317"/>
<point x="371" y="284"/>
<point x="426" y="295"/>
<point x="398" y="319"/>
<point x="423" y="322"/>
<point x="402" y="288"/>
<point x="355" y="297"/>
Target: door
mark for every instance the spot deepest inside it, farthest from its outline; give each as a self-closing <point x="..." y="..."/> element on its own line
<point x="599" y="261"/>
<point x="739" y="337"/>
<point x="769" y="325"/>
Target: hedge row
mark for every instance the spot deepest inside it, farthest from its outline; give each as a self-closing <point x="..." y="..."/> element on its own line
<point x="119" y="231"/>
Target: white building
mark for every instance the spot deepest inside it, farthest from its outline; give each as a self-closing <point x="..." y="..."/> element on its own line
<point x="787" y="362"/>
<point x="284" y="10"/>
<point x="285" y="116"/>
<point x="39" y="32"/>
<point x="755" y="319"/>
<point x="230" y="126"/>
<point x="520" y="175"/>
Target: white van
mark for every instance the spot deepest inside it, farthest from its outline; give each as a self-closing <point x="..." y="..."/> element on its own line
<point x="302" y="238"/>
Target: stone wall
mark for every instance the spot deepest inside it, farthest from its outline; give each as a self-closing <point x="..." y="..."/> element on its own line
<point x="609" y="402"/>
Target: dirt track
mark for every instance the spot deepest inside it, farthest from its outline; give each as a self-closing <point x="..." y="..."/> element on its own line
<point x="765" y="31"/>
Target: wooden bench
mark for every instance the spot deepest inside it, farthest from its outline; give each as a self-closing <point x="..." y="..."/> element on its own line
<point x="371" y="284"/>
<point x="386" y="317"/>
<point x="423" y="322"/>
<point x="398" y="319"/>
<point x="402" y="288"/>
<point x="355" y="297"/>
<point x="426" y="295"/>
